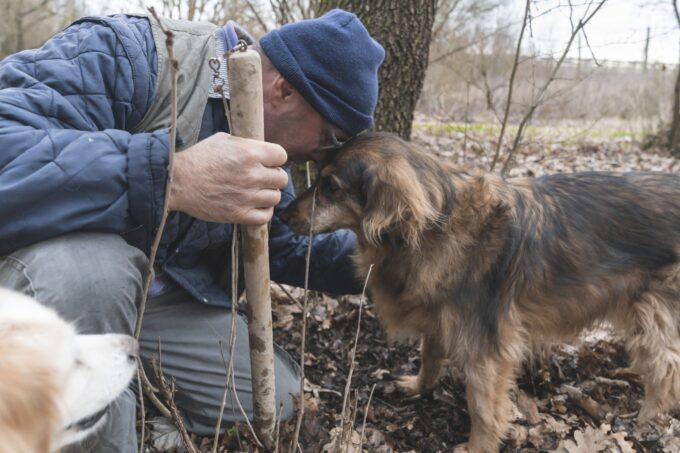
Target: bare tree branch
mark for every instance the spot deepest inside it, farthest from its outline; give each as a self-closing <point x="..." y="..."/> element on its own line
<point x="483" y="38"/>
<point x="258" y="18"/>
<point x="37" y="7"/>
<point x="511" y="85"/>
<point x="539" y="98"/>
<point x="444" y="17"/>
<point x="592" y="54"/>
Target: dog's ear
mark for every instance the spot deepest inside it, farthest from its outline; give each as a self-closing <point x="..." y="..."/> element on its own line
<point x="395" y="202"/>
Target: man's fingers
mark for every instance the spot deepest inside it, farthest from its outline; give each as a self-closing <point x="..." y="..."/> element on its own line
<point x="271" y="155"/>
<point x="258" y="216"/>
<point x="265" y="198"/>
<point x="273" y="178"/>
<point x="264" y="202"/>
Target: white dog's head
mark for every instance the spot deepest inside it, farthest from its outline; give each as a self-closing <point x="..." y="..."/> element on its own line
<point x="55" y="385"/>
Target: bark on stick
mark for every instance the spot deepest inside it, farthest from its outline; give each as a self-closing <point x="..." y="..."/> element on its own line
<point x="247" y="120"/>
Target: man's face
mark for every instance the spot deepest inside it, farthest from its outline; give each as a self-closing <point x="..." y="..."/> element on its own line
<point x="291" y="122"/>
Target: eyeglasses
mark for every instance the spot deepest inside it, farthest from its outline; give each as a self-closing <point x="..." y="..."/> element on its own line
<point x="329" y="133"/>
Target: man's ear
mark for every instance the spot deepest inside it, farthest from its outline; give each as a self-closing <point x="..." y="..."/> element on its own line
<point x="395" y="202"/>
<point x="283" y="93"/>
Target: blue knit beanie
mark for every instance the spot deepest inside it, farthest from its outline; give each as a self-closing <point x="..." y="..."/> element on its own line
<point x="333" y="62"/>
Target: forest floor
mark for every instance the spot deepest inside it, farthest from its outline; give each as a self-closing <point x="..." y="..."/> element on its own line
<point x="578" y="398"/>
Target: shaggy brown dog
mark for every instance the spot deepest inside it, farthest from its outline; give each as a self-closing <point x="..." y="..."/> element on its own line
<point x="482" y="269"/>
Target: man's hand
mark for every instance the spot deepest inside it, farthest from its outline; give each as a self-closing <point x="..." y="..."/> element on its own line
<point x="228" y="179"/>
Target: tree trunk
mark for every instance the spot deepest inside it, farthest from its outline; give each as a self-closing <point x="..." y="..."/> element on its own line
<point x="404" y="28"/>
<point x="674" y="138"/>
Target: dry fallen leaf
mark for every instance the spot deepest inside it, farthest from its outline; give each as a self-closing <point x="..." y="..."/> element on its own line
<point x="351" y="444"/>
<point x="380" y="373"/>
<point x="623" y="444"/>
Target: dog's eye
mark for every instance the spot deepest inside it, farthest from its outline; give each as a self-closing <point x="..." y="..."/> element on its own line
<point x="329" y="185"/>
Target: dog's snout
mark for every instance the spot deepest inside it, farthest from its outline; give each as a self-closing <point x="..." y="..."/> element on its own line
<point x="291" y="217"/>
<point x="131" y="347"/>
<point x="286" y="214"/>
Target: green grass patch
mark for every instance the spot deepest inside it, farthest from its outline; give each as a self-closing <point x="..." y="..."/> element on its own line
<point x="557" y="132"/>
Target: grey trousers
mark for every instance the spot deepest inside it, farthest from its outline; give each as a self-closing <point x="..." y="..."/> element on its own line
<point x="95" y="280"/>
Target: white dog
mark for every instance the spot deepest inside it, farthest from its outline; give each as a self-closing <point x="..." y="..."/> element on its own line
<point x="55" y="385"/>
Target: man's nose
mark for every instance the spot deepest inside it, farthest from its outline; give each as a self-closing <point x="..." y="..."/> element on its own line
<point x="319" y="156"/>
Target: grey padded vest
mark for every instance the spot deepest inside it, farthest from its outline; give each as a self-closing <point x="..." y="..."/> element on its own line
<point x="194" y="45"/>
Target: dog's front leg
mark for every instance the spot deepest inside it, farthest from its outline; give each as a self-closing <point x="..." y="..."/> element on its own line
<point x="432" y="359"/>
<point x="488" y="382"/>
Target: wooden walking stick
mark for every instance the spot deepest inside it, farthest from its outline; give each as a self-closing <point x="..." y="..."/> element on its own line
<point x="247" y="120"/>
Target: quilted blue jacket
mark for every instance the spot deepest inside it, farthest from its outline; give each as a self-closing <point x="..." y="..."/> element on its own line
<point x="68" y="162"/>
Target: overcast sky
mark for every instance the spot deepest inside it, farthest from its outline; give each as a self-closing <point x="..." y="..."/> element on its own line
<point x="617" y="32"/>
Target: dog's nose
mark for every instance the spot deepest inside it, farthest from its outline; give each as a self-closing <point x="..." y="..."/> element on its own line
<point x="131" y="348"/>
<point x="285" y="215"/>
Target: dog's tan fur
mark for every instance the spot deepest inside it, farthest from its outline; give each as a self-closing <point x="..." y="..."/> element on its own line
<point x="30" y="417"/>
<point x="483" y="269"/>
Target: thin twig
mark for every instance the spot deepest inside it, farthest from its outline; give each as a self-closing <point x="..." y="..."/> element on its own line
<point x="169" y="38"/>
<point x="590" y="49"/>
<point x="363" y="425"/>
<point x="258" y="18"/>
<point x="290" y="296"/>
<point x="511" y="85"/>
<point x="301" y="410"/>
<point x="146" y="386"/>
<point x="352" y="419"/>
<point x="150" y="391"/>
<point x="354" y="350"/>
<point x="483" y="38"/>
<point x="169" y="395"/>
<point x="230" y="374"/>
<point x="467" y="109"/>
<point x="232" y="334"/>
<point x="444" y="17"/>
<point x="142" y="410"/>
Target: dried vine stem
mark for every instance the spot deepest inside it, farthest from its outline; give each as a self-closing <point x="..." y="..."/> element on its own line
<point x="146" y="386"/>
<point x="232" y="334"/>
<point x="174" y="64"/>
<point x="354" y="352"/>
<point x="142" y="410"/>
<point x="168" y="392"/>
<point x="363" y="425"/>
<point x="301" y="410"/>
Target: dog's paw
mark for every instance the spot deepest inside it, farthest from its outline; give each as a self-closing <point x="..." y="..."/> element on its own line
<point x="645" y="416"/>
<point x="649" y="411"/>
<point x="410" y="385"/>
